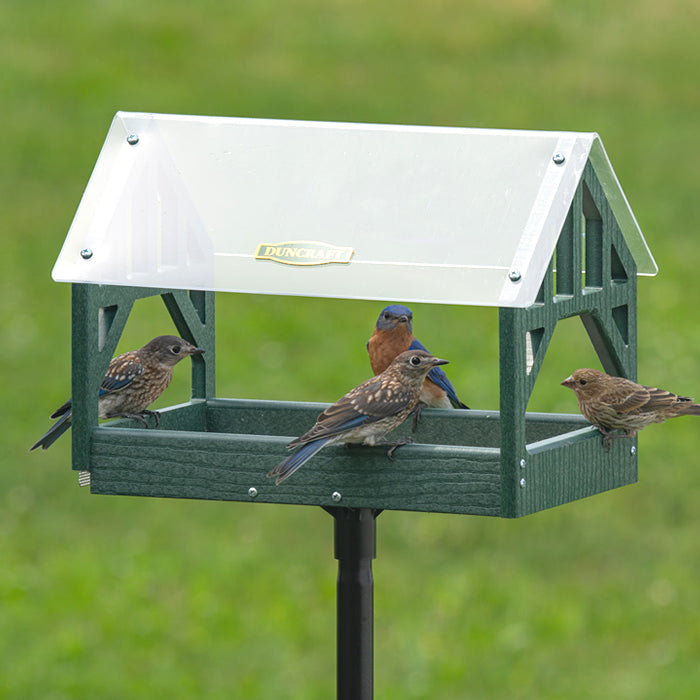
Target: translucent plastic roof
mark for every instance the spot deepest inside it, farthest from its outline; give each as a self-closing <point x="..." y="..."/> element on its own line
<point x="360" y="211"/>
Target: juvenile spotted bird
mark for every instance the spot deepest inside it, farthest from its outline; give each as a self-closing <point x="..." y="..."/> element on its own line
<point x="134" y="380"/>
<point x="615" y="403"/>
<point x="366" y="413"/>
<point x="393" y="334"/>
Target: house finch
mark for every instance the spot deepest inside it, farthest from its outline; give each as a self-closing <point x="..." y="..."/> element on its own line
<point x="615" y="403"/>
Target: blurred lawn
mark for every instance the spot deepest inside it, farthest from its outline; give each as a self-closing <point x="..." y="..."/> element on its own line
<point x="128" y="598"/>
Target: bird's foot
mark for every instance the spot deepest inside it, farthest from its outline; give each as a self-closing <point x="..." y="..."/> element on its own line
<point x="155" y="414"/>
<point x="609" y="436"/>
<point x="394" y="445"/>
<point x="135" y="416"/>
<point x="416" y="416"/>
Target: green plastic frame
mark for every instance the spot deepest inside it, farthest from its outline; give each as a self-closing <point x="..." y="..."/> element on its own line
<point x="508" y="463"/>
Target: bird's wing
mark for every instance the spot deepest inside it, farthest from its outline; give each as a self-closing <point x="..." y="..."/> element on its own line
<point x="439" y="378"/>
<point x="659" y="398"/>
<point x="642" y="398"/>
<point x="367" y="403"/>
<point x="121" y="372"/>
<point x="624" y="402"/>
<point x="417" y="345"/>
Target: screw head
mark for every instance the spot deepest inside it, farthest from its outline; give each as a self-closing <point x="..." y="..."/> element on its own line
<point x="252" y="492"/>
<point x="633" y="451"/>
<point x="335" y="496"/>
<point x="522" y="463"/>
<point x="559" y="158"/>
<point x="522" y="483"/>
<point x="132" y="139"/>
<point x="514" y="275"/>
<point x="86" y="253"/>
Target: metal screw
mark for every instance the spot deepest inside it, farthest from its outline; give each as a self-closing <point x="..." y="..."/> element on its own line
<point x="335" y="496"/>
<point x="252" y="492"/>
<point x="86" y="253"/>
<point x="633" y="450"/>
<point x="558" y="158"/>
<point x="522" y="463"/>
<point x="522" y="483"/>
<point x="132" y="139"/>
<point x="83" y="478"/>
<point x="514" y="275"/>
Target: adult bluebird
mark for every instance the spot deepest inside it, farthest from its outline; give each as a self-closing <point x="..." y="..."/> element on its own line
<point x="134" y="380"/>
<point x="616" y="403"/>
<point x="367" y="413"/>
<point x="393" y="334"/>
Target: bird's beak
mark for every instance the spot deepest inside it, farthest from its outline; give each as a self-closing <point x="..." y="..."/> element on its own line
<point x="196" y="351"/>
<point x="403" y="319"/>
<point x="437" y="361"/>
<point x="568" y="381"/>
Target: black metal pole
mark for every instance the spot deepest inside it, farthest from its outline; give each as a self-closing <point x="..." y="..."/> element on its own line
<point x="355" y="547"/>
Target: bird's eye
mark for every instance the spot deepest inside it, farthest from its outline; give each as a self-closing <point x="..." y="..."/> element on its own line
<point x="175" y="349"/>
<point x="415" y="361"/>
<point x="581" y="381"/>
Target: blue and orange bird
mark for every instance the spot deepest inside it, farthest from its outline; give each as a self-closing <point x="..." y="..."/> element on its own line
<point x="366" y="413"/>
<point x="134" y="380"/>
<point x="393" y="334"/>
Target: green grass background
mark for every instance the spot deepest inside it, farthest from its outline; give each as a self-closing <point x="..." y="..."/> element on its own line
<point x="105" y="597"/>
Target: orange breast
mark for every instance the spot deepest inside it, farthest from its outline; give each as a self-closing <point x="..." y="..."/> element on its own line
<point x="384" y="346"/>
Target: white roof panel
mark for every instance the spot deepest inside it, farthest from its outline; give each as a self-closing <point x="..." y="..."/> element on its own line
<point x="396" y="213"/>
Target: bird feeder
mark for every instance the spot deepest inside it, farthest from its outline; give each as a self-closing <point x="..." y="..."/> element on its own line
<point x="534" y="223"/>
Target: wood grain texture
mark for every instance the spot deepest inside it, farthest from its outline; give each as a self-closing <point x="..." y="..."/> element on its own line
<point x="451" y="469"/>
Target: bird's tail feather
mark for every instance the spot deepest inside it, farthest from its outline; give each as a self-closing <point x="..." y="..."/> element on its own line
<point x="288" y="466"/>
<point x="692" y="409"/>
<point x="53" y="433"/>
<point x="63" y="409"/>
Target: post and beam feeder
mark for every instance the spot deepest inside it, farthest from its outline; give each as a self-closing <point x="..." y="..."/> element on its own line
<point x="534" y="223"/>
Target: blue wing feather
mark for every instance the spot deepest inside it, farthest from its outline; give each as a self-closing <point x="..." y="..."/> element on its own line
<point x="111" y="384"/>
<point x="417" y="345"/>
<point x="121" y="372"/>
<point x="288" y="466"/>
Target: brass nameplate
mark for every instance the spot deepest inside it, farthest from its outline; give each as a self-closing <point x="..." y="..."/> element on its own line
<point x="303" y="253"/>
